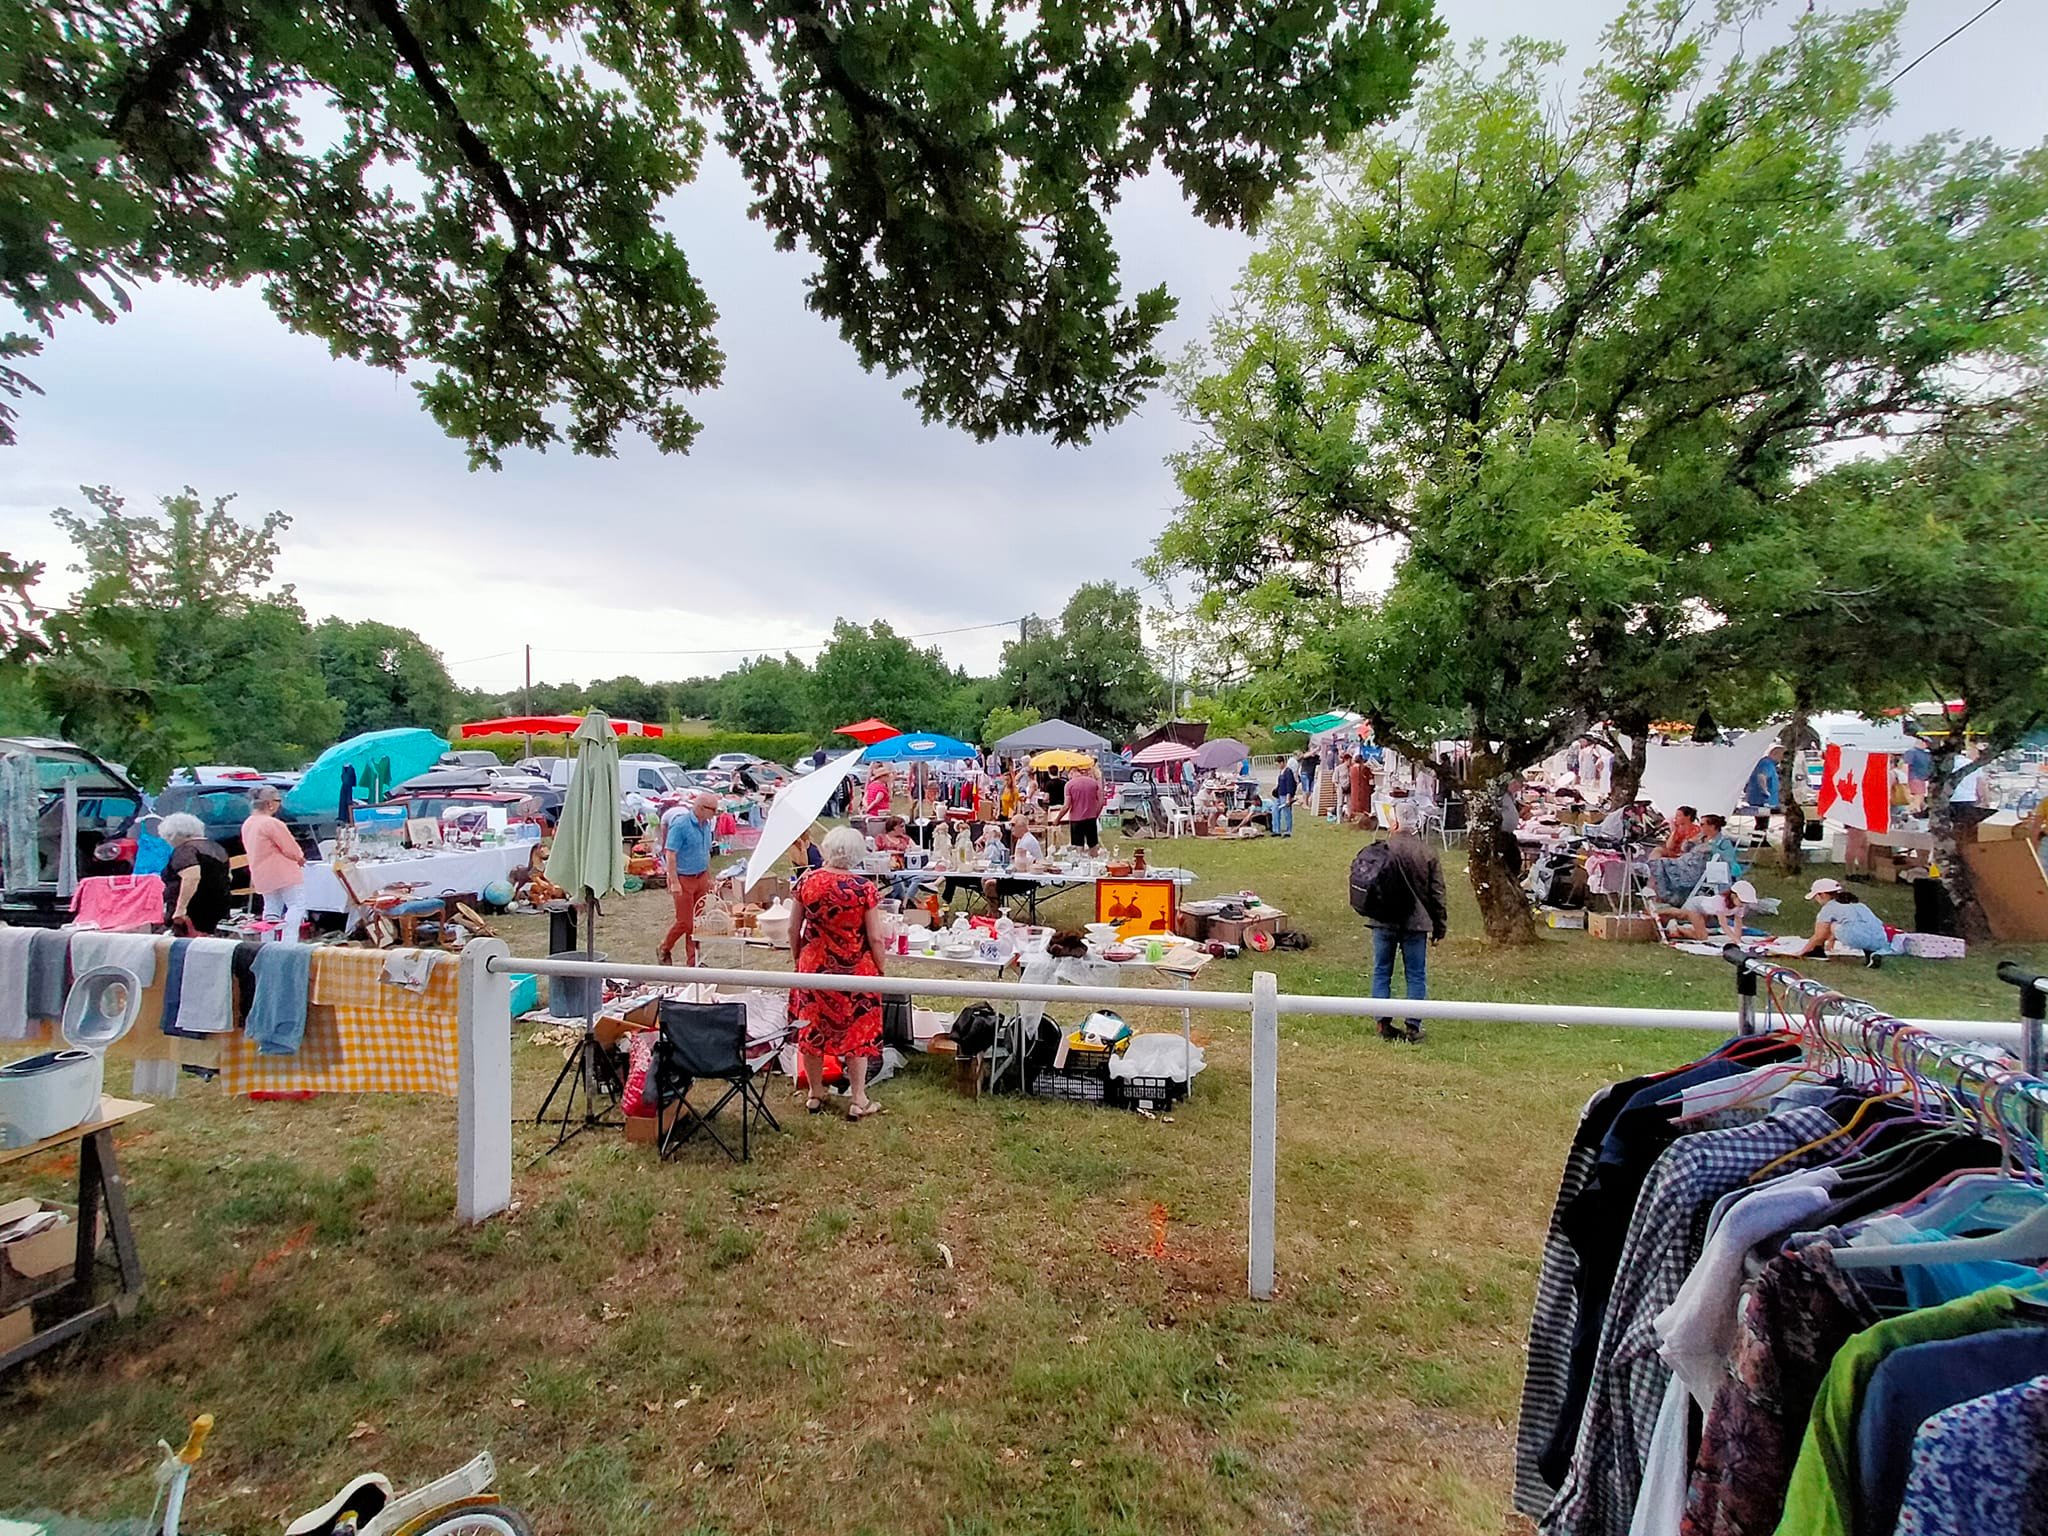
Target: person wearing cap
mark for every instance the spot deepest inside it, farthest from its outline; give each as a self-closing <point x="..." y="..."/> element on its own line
<point x="1726" y="910"/>
<point x="1845" y="922"/>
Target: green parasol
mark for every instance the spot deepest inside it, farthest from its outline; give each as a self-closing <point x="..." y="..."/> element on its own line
<point x="588" y="859"/>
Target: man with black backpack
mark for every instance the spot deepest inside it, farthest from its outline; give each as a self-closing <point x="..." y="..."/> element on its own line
<point x="1397" y="886"/>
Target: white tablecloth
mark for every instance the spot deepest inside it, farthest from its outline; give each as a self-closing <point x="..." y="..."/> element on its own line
<point x="463" y="870"/>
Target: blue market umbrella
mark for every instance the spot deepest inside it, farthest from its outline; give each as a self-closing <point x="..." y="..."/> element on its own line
<point x="913" y="748"/>
<point x="382" y="757"/>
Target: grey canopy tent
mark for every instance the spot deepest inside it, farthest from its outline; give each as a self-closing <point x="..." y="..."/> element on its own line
<point x="1048" y="736"/>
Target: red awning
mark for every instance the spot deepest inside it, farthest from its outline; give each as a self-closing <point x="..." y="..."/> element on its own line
<point x="547" y="725"/>
<point x="868" y="732"/>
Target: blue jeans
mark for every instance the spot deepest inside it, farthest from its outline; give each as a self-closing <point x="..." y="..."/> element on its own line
<point x="1283" y="818"/>
<point x="1414" y="951"/>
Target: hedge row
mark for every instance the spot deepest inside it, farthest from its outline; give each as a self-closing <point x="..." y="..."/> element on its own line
<point x="690" y="751"/>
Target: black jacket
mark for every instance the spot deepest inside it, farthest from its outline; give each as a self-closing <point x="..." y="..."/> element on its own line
<point x="1425" y="872"/>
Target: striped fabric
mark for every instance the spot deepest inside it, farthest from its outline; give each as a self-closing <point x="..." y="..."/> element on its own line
<point x="1546" y="1379"/>
<point x="1664" y="1241"/>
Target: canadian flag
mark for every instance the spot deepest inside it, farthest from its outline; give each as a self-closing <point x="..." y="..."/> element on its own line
<point x="1856" y="788"/>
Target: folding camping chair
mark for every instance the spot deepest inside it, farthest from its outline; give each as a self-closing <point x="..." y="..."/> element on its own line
<point x="705" y="1042"/>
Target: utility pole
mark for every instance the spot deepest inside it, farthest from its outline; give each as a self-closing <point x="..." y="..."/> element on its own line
<point x="526" y="698"/>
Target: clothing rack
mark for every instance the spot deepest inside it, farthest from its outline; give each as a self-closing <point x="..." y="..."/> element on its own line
<point x="1971" y="1083"/>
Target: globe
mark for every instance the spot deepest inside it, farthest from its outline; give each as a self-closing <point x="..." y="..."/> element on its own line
<point x="499" y="893"/>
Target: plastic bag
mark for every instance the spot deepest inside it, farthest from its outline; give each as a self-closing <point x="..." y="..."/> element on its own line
<point x="1158" y="1055"/>
<point x="638" y="1099"/>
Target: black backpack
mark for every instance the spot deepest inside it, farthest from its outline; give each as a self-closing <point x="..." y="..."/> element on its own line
<point x="1380" y="892"/>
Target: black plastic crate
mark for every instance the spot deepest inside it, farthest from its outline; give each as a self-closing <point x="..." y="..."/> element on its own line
<point x="1154" y="1093"/>
<point x="1071" y="1087"/>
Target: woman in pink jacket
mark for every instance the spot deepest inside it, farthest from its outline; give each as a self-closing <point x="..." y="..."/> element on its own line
<point x="277" y="865"/>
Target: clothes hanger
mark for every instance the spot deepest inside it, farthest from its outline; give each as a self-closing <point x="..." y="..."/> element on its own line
<point x="2024" y="1242"/>
<point x="1856" y="1132"/>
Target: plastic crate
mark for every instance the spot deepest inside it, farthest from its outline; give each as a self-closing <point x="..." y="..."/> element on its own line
<point x="1153" y="1093"/>
<point x="1071" y="1087"/>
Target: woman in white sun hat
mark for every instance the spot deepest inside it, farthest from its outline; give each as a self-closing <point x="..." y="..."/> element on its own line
<point x="1723" y="911"/>
<point x="1845" y="922"/>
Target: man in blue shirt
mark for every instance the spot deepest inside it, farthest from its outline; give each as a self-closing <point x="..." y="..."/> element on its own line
<point x="686" y="851"/>
<point x="1762" y="790"/>
<point x="1283" y="800"/>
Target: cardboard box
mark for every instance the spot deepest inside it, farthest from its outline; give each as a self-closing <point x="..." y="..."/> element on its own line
<point x="16" y="1329"/>
<point x="970" y="1074"/>
<point x="1563" y="917"/>
<point x="1617" y="928"/>
<point x="640" y="1129"/>
<point x="27" y="1266"/>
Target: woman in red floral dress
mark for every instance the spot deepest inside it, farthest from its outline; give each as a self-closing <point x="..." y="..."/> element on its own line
<point x="837" y="931"/>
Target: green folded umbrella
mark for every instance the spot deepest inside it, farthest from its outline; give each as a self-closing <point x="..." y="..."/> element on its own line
<point x="588" y="859"/>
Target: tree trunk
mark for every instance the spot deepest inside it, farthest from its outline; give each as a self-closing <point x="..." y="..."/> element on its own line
<point x="1628" y="769"/>
<point x="1792" y="820"/>
<point x="1503" y="906"/>
<point x="1966" y="911"/>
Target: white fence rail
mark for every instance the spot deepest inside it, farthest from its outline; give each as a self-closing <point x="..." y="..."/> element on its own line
<point x="485" y="1110"/>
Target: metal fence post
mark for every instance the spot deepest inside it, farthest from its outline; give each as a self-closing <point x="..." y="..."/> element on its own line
<point x="1265" y="1105"/>
<point x="483" y="1103"/>
<point x="2033" y="1027"/>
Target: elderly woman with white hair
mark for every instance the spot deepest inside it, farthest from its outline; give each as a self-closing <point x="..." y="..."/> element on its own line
<point x="196" y="881"/>
<point x="836" y="930"/>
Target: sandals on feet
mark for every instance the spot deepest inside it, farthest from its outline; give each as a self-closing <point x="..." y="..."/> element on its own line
<point x="863" y="1111"/>
<point x="812" y="1106"/>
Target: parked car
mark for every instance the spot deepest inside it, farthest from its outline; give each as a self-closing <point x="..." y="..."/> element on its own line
<point x="644" y="757"/>
<point x="432" y="804"/>
<point x="215" y="773"/>
<point x="469" y="757"/>
<point x="771" y="775"/>
<point x="731" y="760"/>
<point x="224" y="806"/>
<point x="109" y="806"/>
<point x="545" y="768"/>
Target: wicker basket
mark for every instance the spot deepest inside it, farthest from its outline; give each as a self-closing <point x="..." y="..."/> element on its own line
<point x="714" y="921"/>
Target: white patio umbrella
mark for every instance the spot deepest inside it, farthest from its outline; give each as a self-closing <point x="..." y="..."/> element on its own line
<point x="796" y="806"/>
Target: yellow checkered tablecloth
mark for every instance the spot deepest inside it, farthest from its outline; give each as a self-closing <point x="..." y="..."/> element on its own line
<point x="363" y="1033"/>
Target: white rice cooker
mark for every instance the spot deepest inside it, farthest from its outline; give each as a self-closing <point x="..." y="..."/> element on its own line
<point x="46" y="1095"/>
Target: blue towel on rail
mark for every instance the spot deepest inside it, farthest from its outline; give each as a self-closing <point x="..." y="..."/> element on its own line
<point x="48" y="953"/>
<point x="277" y="1017"/>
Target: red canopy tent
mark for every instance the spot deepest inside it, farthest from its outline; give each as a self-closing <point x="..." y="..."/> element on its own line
<point x="868" y="732"/>
<point x="547" y="725"/>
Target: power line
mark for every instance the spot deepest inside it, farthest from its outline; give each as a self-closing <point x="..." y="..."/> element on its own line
<point x="494" y="656"/>
<point x="1959" y="31"/>
<point x="751" y="650"/>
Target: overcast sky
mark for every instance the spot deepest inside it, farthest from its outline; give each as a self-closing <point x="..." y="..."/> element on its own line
<point x="814" y="490"/>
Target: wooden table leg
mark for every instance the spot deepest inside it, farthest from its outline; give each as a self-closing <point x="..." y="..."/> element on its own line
<point x="99" y="1180"/>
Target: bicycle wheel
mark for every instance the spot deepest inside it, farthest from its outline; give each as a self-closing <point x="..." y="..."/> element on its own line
<point x="482" y="1520"/>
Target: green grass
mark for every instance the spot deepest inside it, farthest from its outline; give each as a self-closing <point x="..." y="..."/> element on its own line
<point x="947" y="1319"/>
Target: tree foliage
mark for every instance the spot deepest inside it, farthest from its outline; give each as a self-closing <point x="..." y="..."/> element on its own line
<point x="473" y="188"/>
<point x="769" y="693"/>
<point x="1567" y="360"/>
<point x="1005" y="720"/>
<point x="383" y="676"/>
<point x="1925" y="576"/>
<point x="1090" y="668"/>
<point x="872" y="670"/>
<point x="179" y="647"/>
